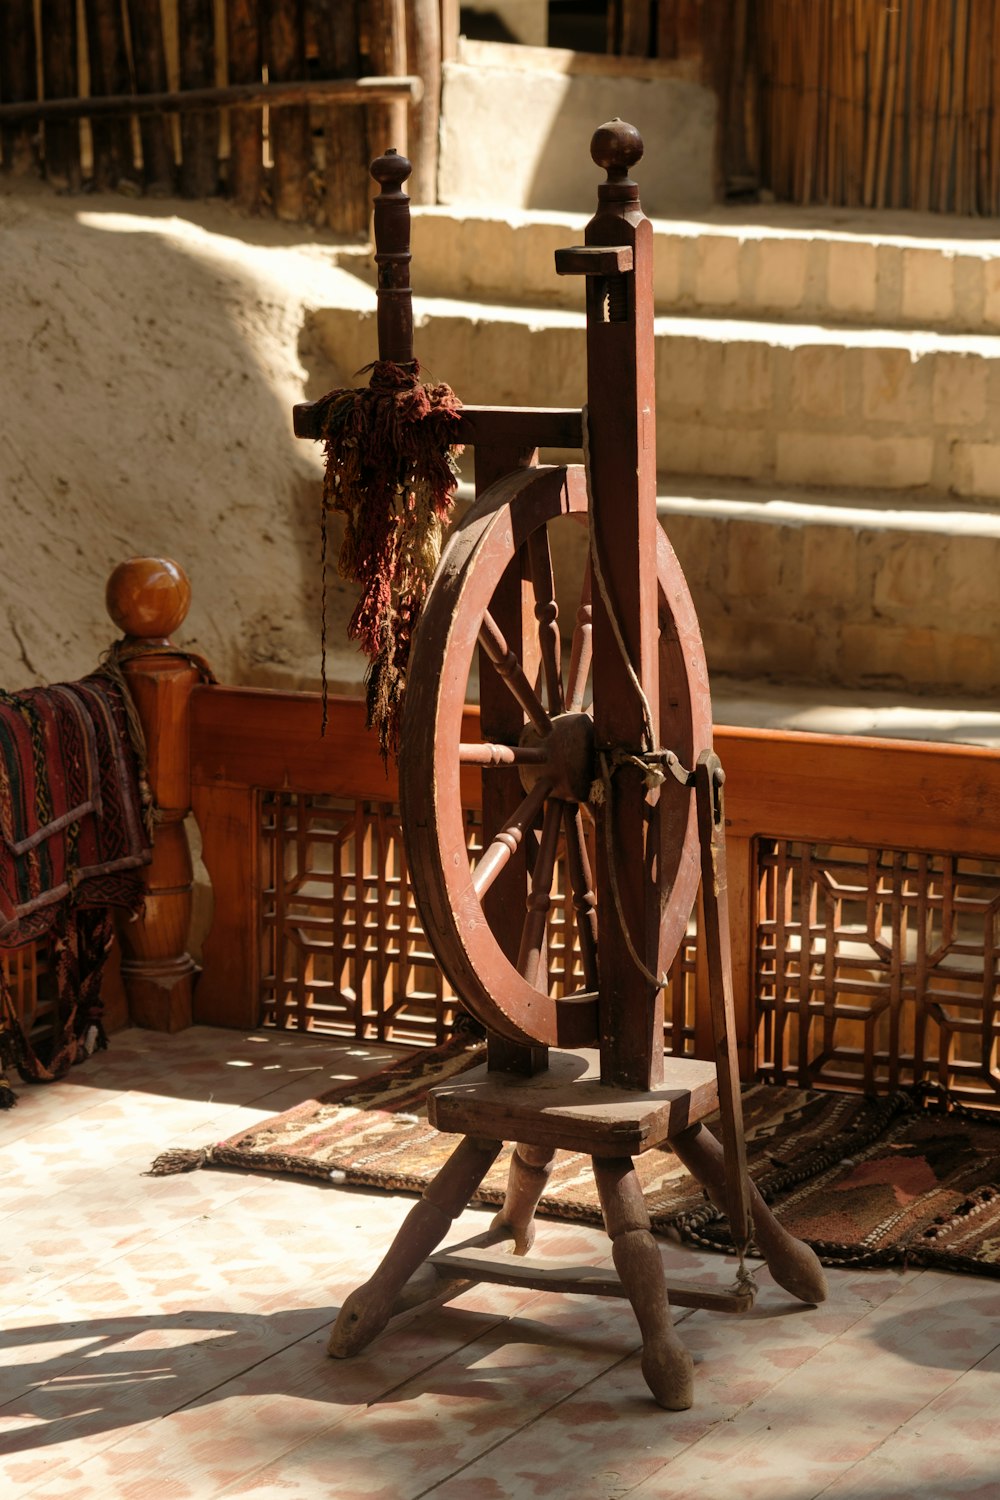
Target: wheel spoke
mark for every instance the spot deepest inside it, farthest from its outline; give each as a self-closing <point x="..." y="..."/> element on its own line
<point x="499" y="851"/>
<point x="580" y="657"/>
<point x="584" y="900"/>
<point x="532" y="948"/>
<point x="547" y="615"/>
<point x="501" y="755"/>
<point x="509" y="669"/>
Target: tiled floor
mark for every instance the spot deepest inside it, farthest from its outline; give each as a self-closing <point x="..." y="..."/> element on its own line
<point x="164" y="1337"/>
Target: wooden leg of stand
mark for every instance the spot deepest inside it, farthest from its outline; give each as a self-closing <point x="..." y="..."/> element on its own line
<point x="793" y="1264"/>
<point x="530" y="1168"/>
<point x="666" y="1365"/>
<point x="367" y="1310"/>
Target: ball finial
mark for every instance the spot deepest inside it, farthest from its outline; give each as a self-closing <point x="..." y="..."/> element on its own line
<point x="616" y="146"/>
<point x="148" y="597"/>
<point x="391" y="170"/>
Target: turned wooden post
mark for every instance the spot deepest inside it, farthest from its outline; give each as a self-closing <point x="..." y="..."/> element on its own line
<point x="148" y="599"/>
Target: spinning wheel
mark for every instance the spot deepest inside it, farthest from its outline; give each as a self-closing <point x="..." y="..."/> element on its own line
<point x="617" y="742"/>
<point x="551" y="745"/>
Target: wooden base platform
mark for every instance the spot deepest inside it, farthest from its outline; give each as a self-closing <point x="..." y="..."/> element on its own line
<point x="568" y="1107"/>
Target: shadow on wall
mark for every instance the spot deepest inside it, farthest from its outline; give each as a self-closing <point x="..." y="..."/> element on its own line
<point x="149" y="366"/>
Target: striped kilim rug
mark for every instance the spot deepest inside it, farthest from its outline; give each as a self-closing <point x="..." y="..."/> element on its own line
<point x="870" y="1182"/>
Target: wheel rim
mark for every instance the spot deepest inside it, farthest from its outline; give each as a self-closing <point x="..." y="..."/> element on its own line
<point x="449" y="892"/>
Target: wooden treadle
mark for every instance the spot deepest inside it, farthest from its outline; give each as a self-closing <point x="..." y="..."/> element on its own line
<point x="568" y="1107"/>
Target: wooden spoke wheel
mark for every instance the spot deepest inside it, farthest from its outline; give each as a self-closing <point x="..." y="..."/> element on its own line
<point x="552" y="753"/>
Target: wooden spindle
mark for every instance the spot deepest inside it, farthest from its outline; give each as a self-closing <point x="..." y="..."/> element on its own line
<point x="59" y="80"/>
<point x="392" y="257"/>
<point x="199" y="174"/>
<point x="150" y="66"/>
<point x="148" y="598"/>
<point x="288" y="128"/>
<point x="246" y="136"/>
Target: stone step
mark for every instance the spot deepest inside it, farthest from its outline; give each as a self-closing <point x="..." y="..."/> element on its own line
<point x="870" y="593"/>
<point x="776" y="403"/>
<point x="889" y="269"/>
<point x="883" y="601"/>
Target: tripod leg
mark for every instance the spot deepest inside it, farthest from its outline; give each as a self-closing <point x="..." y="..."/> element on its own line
<point x="530" y="1167"/>
<point x="666" y="1365"/>
<point x="368" y="1308"/>
<point x="793" y="1264"/>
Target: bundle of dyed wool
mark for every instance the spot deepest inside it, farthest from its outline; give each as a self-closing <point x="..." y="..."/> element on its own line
<point x="389" y="450"/>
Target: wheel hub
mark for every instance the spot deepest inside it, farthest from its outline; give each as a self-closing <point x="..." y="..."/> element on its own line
<point x="570" y="762"/>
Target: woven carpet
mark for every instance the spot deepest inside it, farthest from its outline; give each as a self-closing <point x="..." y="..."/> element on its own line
<point x="75" y="829"/>
<point x="865" y="1182"/>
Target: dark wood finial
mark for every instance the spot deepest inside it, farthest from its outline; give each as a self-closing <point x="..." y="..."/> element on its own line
<point x="391" y="170"/>
<point x="616" y="146"/>
<point x="392" y="257"/>
<point x="148" y="597"/>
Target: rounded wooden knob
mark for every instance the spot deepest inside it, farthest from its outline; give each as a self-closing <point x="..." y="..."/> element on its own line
<point x="616" y="146"/>
<point x="148" y="597"/>
<point x="391" y="170"/>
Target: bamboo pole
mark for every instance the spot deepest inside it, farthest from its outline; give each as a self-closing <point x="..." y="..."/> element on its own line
<point x="150" y="67"/>
<point x="109" y="75"/>
<point x="903" y="142"/>
<point x="18" y="80"/>
<point x="877" y="91"/>
<point x="199" y="174"/>
<point x="291" y="142"/>
<point x="993" y="205"/>
<point x="961" y="120"/>
<point x="983" y="52"/>
<point x="810" y="113"/>
<point x="889" y="109"/>
<point x="944" y="134"/>
<point x="927" y="95"/>
<point x="246" y="134"/>
<point x="386" y="123"/>
<point x="423" y="55"/>
<point x="59" y="81"/>
<point x="345" y="143"/>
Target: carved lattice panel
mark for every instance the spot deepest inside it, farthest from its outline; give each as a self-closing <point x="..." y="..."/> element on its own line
<point x="31" y="987"/>
<point x="878" y="968"/>
<point x="342" y="946"/>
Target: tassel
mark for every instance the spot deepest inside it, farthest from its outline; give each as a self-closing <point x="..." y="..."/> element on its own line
<point x="170" y="1163"/>
<point x="390" y="471"/>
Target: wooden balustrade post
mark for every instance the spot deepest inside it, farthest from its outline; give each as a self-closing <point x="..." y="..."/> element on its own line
<point x="148" y="598"/>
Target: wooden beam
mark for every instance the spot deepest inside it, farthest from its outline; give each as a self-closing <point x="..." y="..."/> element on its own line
<point x="333" y="91"/>
<point x="518" y="426"/>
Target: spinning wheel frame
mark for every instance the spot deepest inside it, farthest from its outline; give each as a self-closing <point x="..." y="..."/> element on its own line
<point x="511" y="515"/>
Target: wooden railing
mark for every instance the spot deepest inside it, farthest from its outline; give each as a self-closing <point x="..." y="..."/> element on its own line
<point x="864" y="879"/>
<point x="864" y="883"/>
